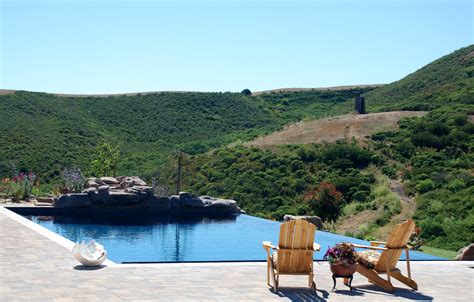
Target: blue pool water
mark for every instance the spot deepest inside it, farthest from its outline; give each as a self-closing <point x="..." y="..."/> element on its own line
<point x="183" y="238"/>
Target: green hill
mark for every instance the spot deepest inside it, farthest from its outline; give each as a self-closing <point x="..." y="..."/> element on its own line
<point x="448" y="80"/>
<point x="46" y="133"/>
<point x="430" y="157"/>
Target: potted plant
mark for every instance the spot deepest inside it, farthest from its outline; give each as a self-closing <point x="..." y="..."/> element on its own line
<point x="342" y="259"/>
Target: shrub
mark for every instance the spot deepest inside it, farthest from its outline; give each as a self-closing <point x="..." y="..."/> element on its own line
<point x="72" y="181"/>
<point x="431" y="229"/>
<point x="19" y="186"/>
<point x="425" y="186"/>
<point x="105" y="160"/>
<point x="456" y="185"/>
<point x="246" y="92"/>
<point x="324" y="200"/>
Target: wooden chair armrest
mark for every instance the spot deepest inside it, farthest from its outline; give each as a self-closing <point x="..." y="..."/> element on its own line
<point x="370" y="247"/>
<point x="316" y="247"/>
<point x="267" y="245"/>
<point x="377" y="243"/>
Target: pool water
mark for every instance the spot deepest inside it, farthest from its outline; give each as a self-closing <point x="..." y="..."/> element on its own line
<point x="176" y="238"/>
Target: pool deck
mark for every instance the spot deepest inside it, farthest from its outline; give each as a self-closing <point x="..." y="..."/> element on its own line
<point x="37" y="265"/>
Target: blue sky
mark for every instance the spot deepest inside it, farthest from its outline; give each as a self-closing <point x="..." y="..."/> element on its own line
<point x="109" y="46"/>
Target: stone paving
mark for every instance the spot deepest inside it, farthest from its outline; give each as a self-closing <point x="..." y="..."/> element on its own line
<point x="35" y="266"/>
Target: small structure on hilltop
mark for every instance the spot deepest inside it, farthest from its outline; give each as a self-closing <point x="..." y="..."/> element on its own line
<point x="360" y="104"/>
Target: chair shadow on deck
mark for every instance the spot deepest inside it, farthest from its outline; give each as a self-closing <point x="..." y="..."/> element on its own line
<point x="399" y="292"/>
<point x="372" y="292"/>
<point x="301" y="294"/>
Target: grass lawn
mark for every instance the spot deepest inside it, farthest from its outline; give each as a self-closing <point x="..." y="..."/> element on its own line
<point x="438" y="252"/>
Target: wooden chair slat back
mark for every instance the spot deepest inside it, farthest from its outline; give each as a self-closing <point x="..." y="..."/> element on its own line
<point x="298" y="235"/>
<point x="398" y="237"/>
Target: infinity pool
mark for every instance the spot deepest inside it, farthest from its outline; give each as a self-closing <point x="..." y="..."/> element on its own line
<point x="183" y="238"/>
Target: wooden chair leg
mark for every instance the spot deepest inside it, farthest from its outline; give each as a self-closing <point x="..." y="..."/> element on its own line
<point x="405" y="280"/>
<point x="275" y="284"/>
<point x="311" y="282"/>
<point x="274" y="277"/>
<point x="268" y="271"/>
<point x="374" y="278"/>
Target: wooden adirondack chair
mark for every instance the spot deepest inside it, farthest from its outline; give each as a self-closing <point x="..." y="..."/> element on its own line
<point x="396" y="243"/>
<point x="294" y="253"/>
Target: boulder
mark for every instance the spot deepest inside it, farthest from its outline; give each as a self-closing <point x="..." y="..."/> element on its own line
<point x="316" y="220"/>
<point x="45" y="199"/>
<point x="120" y="178"/>
<point x="229" y="204"/>
<point x="174" y="201"/>
<point x="103" y="193"/>
<point x="194" y="202"/>
<point x="92" y="183"/>
<point x="143" y="189"/>
<point x="466" y="253"/>
<point x="89" y="190"/>
<point x="185" y="195"/>
<point x="109" y="180"/>
<point x="127" y="182"/>
<point x="189" y="200"/>
<point x="137" y="181"/>
<point x="123" y="198"/>
<point x="115" y="187"/>
<point x="160" y="202"/>
<point x="75" y="200"/>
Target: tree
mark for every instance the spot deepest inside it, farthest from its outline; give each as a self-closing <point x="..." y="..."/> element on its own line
<point x="105" y="160"/>
<point x="324" y="200"/>
<point x="246" y="92"/>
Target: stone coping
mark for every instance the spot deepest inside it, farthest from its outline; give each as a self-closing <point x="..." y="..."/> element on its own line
<point x="64" y="242"/>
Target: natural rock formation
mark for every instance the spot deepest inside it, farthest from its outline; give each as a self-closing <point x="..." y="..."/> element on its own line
<point x="316" y="220"/>
<point x="109" y="192"/>
<point x="187" y="200"/>
<point x="76" y="200"/>
<point x="466" y="253"/>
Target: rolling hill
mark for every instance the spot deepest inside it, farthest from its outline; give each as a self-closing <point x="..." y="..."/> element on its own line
<point x="46" y="133"/>
<point x="448" y="80"/>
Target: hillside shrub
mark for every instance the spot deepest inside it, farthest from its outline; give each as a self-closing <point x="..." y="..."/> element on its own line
<point x="324" y="200"/>
<point x="425" y="186"/>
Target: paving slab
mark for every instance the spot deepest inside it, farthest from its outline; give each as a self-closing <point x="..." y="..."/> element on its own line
<point x="38" y="266"/>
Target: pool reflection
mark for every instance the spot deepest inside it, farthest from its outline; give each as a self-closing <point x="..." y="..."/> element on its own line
<point x="144" y="238"/>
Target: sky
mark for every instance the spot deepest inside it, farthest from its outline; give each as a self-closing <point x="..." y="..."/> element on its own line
<point x="109" y="46"/>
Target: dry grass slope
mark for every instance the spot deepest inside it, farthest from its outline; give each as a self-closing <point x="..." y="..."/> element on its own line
<point x="334" y="128"/>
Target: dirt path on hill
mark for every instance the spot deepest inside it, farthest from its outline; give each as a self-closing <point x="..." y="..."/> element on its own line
<point x="353" y="222"/>
<point x="408" y="208"/>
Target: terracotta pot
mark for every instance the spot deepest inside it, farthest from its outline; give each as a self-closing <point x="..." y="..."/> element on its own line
<point x="343" y="270"/>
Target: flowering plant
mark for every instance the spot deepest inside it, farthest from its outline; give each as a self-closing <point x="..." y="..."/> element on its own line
<point x="4" y="185"/>
<point x="72" y="181"/>
<point x="341" y="254"/>
<point x="20" y="186"/>
<point x="415" y="240"/>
